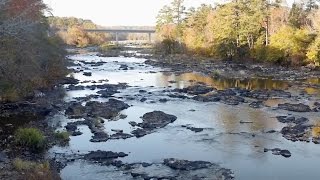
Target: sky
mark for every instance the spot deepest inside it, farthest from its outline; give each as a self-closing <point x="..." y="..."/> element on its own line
<point x="116" y="12"/>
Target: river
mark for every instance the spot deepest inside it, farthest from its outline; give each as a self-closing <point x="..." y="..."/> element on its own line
<point x="224" y="139"/>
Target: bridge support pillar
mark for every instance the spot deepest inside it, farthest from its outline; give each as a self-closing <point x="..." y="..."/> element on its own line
<point x="150" y="38"/>
<point x="117" y="38"/>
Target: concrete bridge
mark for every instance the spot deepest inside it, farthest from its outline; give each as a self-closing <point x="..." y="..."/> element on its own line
<point x="117" y="31"/>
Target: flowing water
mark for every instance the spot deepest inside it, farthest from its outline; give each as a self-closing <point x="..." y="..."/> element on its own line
<point x="225" y="140"/>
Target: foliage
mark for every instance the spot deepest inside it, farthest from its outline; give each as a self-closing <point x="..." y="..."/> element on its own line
<point x="313" y="53"/>
<point x="71" y="30"/>
<point x="30" y="137"/>
<point x="241" y="29"/>
<point x="29" y="58"/>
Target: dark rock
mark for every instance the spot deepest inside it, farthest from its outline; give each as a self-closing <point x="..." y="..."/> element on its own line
<point x="87" y="74"/>
<point x="121" y="135"/>
<point x="75" y="88"/>
<point x="133" y="124"/>
<point x="207" y="98"/>
<point x="179" y="96"/>
<point x="76" y="133"/>
<point x="139" y="132"/>
<point x="71" y="127"/>
<point x="123" y="67"/>
<point x="103" y="155"/>
<point x="197" y="89"/>
<point x="99" y="137"/>
<point x="185" y="164"/>
<point x="142" y="91"/>
<point x="69" y="80"/>
<point x="296" y="133"/>
<point x="277" y="151"/>
<point x="295" y="107"/>
<point x="143" y="100"/>
<point x="194" y="129"/>
<point x="232" y="100"/>
<point x="256" y="104"/>
<point x="291" y="119"/>
<point x="271" y="131"/>
<point x="156" y="119"/>
<point x="164" y="100"/>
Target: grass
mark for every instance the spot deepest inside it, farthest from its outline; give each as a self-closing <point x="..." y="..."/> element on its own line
<point x="30" y="137"/>
<point x="34" y="170"/>
<point x="63" y="136"/>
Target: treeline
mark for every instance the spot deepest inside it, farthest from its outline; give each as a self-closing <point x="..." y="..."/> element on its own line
<point x="260" y="30"/>
<point x="71" y="31"/>
<point x="29" y="58"/>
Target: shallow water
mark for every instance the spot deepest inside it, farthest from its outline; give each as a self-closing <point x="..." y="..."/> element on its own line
<point x="224" y="141"/>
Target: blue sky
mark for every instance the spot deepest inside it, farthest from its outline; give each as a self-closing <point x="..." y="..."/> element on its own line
<point x="115" y="12"/>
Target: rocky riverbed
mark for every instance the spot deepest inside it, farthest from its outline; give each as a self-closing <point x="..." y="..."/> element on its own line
<point x="137" y="118"/>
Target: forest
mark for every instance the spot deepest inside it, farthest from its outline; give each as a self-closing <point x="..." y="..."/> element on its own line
<point x="258" y="30"/>
<point x="30" y="58"/>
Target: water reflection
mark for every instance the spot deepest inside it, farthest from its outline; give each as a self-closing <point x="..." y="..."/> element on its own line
<point x="224" y="83"/>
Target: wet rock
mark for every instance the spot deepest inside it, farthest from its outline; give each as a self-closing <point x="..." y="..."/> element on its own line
<point x="256" y="104"/>
<point x="123" y="67"/>
<point x="277" y="151"/>
<point x="156" y="119"/>
<point x="133" y="124"/>
<point x="197" y="89"/>
<point x="75" y="88"/>
<point x="164" y="100"/>
<point x="71" y="127"/>
<point x="143" y="100"/>
<point x="140" y="132"/>
<point x="69" y="80"/>
<point x="207" y="98"/>
<point x="298" y="132"/>
<point x="295" y="107"/>
<point x="232" y="100"/>
<point x="179" y="96"/>
<point x="271" y="131"/>
<point x="101" y="156"/>
<point x="266" y="94"/>
<point x="194" y="129"/>
<point x="291" y="119"/>
<point x="185" y="164"/>
<point x="142" y="91"/>
<point x="121" y="135"/>
<point x="317" y="107"/>
<point x="87" y="74"/>
<point x="3" y="157"/>
<point x="99" y="137"/>
<point x="76" y="133"/>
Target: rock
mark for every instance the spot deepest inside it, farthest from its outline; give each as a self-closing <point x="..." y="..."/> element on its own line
<point x="295" y="107"/>
<point x="142" y="91"/>
<point x="156" y="119"/>
<point x="266" y="94"/>
<point x="207" y="98"/>
<point x="197" y="89"/>
<point x="99" y="137"/>
<point x="87" y="74"/>
<point x="72" y="87"/>
<point x="139" y="132"/>
<point x="185" y="164"/>
<point x="296" y="133"/>
<point x="69" y="80"/>
<point x="277" y="151"/>
<point x="143" y="100"/>
<point x="121" y="135"/>
<point x="288" y="119"/>
<point x="232" y="100"/>
<point x="133" y="124"/>
<point x="194" y="129"/>
<point x="71" y="127"/>
<point x="164" y="100"/>
<point x="123" y="67"/>
<point x="76" y="133"/>
<point x="101" y="156"/>
<point x="256" y="104"/>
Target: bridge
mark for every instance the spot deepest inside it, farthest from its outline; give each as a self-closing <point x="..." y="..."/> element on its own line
<point x="117" y="31"/>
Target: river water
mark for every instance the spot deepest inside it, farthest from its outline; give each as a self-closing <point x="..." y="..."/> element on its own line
<point x="225" y="141"/>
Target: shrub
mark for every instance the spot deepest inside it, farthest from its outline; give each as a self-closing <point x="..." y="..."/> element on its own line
<point x="63" y="136"/>
<point x="313" y="53"/>
<point x="30" y="137"/>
